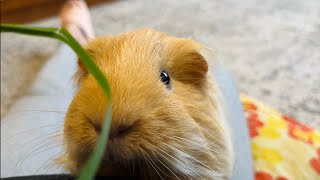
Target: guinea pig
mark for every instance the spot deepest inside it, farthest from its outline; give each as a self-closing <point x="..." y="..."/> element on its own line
<point x="167" y="120"/>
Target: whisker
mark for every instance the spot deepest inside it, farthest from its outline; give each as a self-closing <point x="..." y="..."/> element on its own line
<point x="145" y="159"/>
<point x="41" y="110"/>
<point x="156" y="165"/>
<point x="45" y="141"/>
<point x="167" y="167"/>
<point x="21" y="162"/>
<point x="16" y="115"/>
<point x="172" y="162"/>
<point x="48" y="161"/>
<point x="179" y="139"/>
<point x="191" y="158"/>
<point x="35" y="148"/>
<point x="41" y="127"/>
<point x="42" y="138"/>
<point x="176" y="160"/>
<point x="153" y="167"/>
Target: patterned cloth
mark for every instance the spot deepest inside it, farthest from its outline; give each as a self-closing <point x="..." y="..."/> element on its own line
<point x="283" y="149"/>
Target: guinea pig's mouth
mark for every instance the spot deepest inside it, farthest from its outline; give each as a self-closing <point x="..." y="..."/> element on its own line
<point x="118" y="160"/>
<point x="141" y="168"/>
<point x="108" y="168"/>
<point x="142" y="165"/>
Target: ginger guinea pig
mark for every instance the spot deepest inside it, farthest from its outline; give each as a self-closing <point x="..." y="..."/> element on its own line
<point x="166" y="121"/>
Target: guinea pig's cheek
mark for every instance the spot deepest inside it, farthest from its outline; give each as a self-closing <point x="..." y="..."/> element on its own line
<point x="79" y="136"/>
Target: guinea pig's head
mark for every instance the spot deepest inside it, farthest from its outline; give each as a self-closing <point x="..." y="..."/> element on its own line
<point x="165" y="118"/>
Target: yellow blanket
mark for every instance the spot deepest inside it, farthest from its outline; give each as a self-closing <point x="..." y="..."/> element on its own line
<point x="282" y="148"/>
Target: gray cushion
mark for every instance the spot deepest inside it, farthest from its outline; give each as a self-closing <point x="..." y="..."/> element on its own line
<point x="243" y="167"/>
<point x="31" y="130"/>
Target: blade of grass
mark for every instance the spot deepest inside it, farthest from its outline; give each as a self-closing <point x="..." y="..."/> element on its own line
<point x="90" y="169"/>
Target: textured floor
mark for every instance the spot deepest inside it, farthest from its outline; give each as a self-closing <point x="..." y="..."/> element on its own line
<point x="273" y="47"/>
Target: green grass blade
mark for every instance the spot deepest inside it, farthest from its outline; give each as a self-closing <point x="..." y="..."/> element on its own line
<point x="35" y="31"/>
<point x="93" y="68"/>
<point x="90" y="169"/>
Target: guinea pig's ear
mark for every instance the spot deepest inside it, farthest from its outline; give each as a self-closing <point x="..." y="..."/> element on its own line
<point x="98" y="49"/>
<point x="188" y="64"/>
<point x="80" y="73"/>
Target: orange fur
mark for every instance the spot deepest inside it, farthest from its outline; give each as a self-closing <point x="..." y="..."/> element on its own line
<point x="179" y="130"/>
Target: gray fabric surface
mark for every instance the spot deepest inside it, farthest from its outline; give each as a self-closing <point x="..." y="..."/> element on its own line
<point x="31" y="132"/>
<point x="243" y="165"/>
<point x="272" y="47"/>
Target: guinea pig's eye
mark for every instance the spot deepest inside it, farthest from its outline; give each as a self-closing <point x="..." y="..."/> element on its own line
<point x="165" y="78"/>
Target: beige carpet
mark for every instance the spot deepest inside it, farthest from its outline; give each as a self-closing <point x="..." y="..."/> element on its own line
<point x="273" y="47"/>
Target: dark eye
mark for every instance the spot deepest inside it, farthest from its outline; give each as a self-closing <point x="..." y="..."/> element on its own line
<point x="165" y="78"/>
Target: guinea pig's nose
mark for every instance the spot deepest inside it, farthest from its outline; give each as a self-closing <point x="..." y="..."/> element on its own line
<point x="120" y="131"/>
